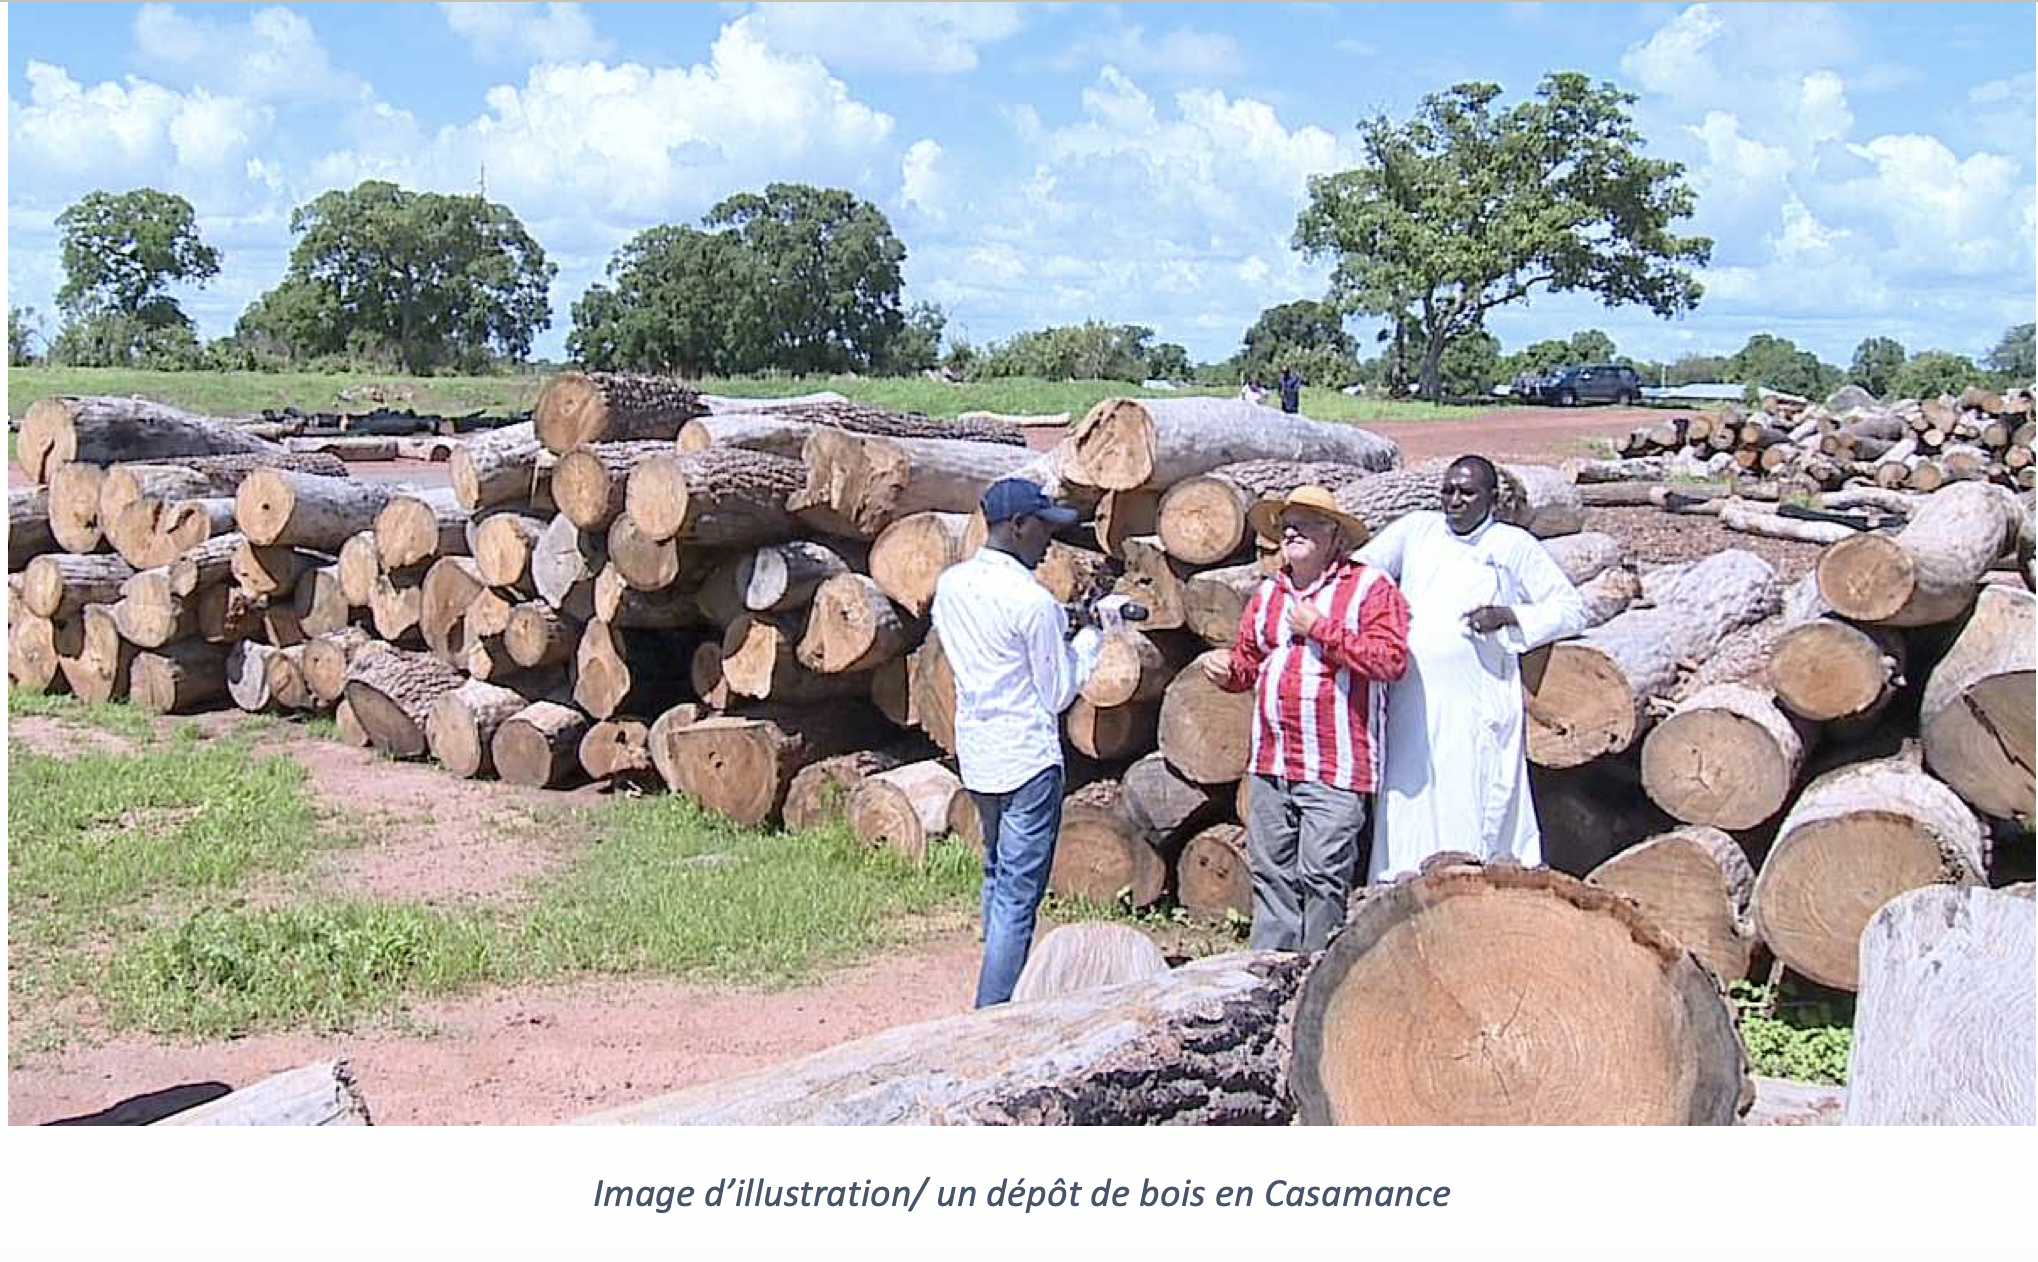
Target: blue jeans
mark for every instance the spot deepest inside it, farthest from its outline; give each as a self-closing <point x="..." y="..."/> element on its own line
<point x="1020" y="829"/>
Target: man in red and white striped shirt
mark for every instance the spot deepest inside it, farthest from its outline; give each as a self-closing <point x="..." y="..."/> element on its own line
<point x="1317" y="643"/>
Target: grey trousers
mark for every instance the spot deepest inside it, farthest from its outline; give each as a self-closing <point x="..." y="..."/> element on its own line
<point x="1303" y="839"/>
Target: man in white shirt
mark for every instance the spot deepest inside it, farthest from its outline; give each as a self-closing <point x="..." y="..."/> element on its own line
<point x="1016" y="669"/>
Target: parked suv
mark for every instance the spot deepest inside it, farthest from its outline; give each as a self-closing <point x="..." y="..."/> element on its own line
<point x="1607" y="383"/>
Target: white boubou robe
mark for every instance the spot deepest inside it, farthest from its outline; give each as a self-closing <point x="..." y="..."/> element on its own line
<point x="1455" y="749"/>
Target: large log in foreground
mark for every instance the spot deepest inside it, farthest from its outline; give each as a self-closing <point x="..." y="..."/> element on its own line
<point x="1426" y="1011"/>
<point x="1928" y="571"/>
<point x="1200" y="1044"/>
<point x="1976" y="719"/>
<point x="280" y="507"/>
<point x="1946" y="1031"/>
<point x="101" y="430"/>
<point x="1696" y="883"/>
<point x="1127" y="444"/>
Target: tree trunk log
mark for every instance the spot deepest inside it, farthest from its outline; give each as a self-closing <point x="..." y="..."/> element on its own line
<point x="782" y="577"/>
<point x="1608" y="594"/>
<point x="1120" y="515"/>
<point x="903" y="809"/>
<point x="1585" y="555"/>
<point x="909" y="555"/>
<point x="891" y="691"/>
<point x="1197" y="1045"/>
<point x="539" y="745"/>
<point x="1825" y="669"/>
<point x="1114" y="734"/>
<point x="287" y="687"/>
<point x="59" y="584"/>
<point x="103" y="431"/>
<point x="1976" y="718"/>
<point x="1856" y="838"/>
<point x="563" y="566"/>
<point x="933" y="700"/>
<point x="1129" y="444"/>
<point x="1072" y="574"/>
<point x="1945" y="1033"/>
<point x="659" y="743"/>
<point x="149" y="533"/>
<point x="321" y="607"/>
<point x="856" y="485"/>
<point x="247" y="675"/>
<point x="392" y="695"/>
<point x="645" y="565"/>
<point x="1929" y="571"/>
<point x="853" y="626"/>
<point x="783" y="428"/>
<point x="624" y="670"/>
<point x="502" y="548"/>
<point x="759" y="660"/>
<point x="1214" y="875"/>
<point x="396" y="604"/>
<point x="721" y="497"/>
<point x="326" y="658"/>
<point x="1156" y="580"/>
<point x="821" y="791"/>
<point x="1084" y="957"/>
<point x="1205" y="732"/>
<point x="450" y="586"/>
<point x="1214" y="601"/>
<point x="1591" y="695"/>
<point x="37" y="648"/>
<point x="1165" y="807"/>
<point x="318" y="1094"/>
<point x="28" y="527"/>
<point x="499" y="467"/>
<point x="579" y="409"/>
<point x="148" y="615"/>
<point x="178" y="678"/>
<point x="346" y="728"/>
<point x="1102" y="855"/>
<point x="589" y="484"/>
<point x="705" y="673"/>
<point x="617" y="749"/>
<point x="621" y="605"/>
<point x="1694" y="883"/>
<point x="280" y="508"/>
<point x="226" y="613"/>
<point x="1728" y="756"/>
<point x="1133" y="666"/>
<point x="1418" y="1014"/>
<point x="74" y="509"/>
<point x="360" y="565"/>
<point x="419" y="527"/>
<point x="267" y="573"/>
<point x="100" y="663"/>
<point x="1202" y="520"/>
<point x="743" y="767"/>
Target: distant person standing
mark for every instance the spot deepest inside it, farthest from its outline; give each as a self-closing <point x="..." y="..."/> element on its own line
<point x="1251" y="391"/>
<point x="1291" y="391"/>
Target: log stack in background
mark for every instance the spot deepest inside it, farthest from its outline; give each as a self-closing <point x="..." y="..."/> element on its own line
<point x="730" y="598"/>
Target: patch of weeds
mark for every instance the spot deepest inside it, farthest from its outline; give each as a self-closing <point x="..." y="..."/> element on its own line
<point x="1176" y="929"/>
<point x="108" y="716"/>
<point x="223" y="972"/>
<point x="669" y="888"/>
<point x="1789" y="1035"/>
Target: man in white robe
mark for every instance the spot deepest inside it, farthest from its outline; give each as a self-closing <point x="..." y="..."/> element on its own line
<point x="1480" y="593"/>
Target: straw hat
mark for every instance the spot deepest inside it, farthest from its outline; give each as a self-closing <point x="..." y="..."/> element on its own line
<point x="1265" y="516"/>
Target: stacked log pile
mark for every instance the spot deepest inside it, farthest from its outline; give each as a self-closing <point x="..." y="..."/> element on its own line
<point x="733" y="604"/>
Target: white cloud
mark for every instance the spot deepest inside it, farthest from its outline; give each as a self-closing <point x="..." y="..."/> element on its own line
<point x="921" y="182"/>
<point x="68" y="136"/>
<point x="1182" y="53"/>
<point x="892" y="38"/>
<point x="526" y="33"/>
<point x="274" y="55"/>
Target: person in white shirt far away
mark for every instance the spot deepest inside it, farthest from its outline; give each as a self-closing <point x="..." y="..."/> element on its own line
<point x="1016" y="669"/>
<point x="1480" y="593"/>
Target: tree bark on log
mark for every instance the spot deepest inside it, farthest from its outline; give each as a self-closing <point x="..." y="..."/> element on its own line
<point x="392" y="695"/>
<point x="247" y="675"/>
<point x="903" y="809"/>
<point x="1198" y="1045"/>
<point x="718" y="498"/>
<point x="781" y="577"/>
<point x="178" y="678"/>
<point x="1214" y="875"/>
<point x="1112" y="734"/>
<point x="1417" y="1014"/>
<point x="1728" y="756"/>
<point x="1102" y="855"/>
<point x="281" y="508"/>
<point x="1857" y="837"/>
<point x="1202" y="520"/>
<point x="1608" y="594"/>
<point x="319" y="1094"/>
<point x="1088" y="956"/>
<point x="909" y="555"/>
<point x="621" y="670"/>
<point x="1976" y="717"/>
<point x="852" y="626"/>
<point x="1205" y="732"/>
<point x="28" y="527"/>
<point x="856" y="485"/>
<point x="821" y="791"/>
<point x="1947" y="973"/>
<point x="590" y="484"/>
<point x="1929" y="571"/>
<point x="783" y="429"/>
<point x="326" y="658"/>
<point x="742" y="767"/>
<point x="1695" y="883"/>
<point x="1591" y="695"/>
<point x="59" y="585"/>
<point x="104" y="430"/>
<point x="580" y="409"/>
<point x="419" y="527"/>
<point x="1585" y="555"/>
<point x="539" y="745"/>
<point x="1129" y="444"/>
<point x="497" y="468"/>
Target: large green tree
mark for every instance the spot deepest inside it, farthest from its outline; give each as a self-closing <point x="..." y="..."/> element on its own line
<point x="823" y="286"/>
<point x="122" y="250"/>
<point x="667" y="307"/>
<point x="425" y="279"/>
<point x="1929" y="374"/>
<point x="2014" y="358"/>
<point x="1306" y="335"/>
<point x="1466" y="208"/>
<point x="1092" y="351"/>
<point x="1775" y="363"/>
<point x="1876" y="362"/>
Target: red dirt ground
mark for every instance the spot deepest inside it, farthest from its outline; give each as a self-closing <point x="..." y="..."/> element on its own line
<point x="546" y="1054"/>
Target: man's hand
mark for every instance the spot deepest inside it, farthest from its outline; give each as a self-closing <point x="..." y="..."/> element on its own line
<point x="1216" y="669"/>
<point x="1302" y="615"/>
<point x="1489" y="618"/>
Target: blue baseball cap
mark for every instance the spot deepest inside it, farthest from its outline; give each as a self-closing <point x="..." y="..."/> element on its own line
<point x="1016" y="497"/>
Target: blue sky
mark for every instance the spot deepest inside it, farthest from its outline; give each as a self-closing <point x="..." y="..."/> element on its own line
<point x="1864" y="170"/>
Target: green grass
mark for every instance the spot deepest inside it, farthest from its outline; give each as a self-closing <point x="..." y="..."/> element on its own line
<point x="236" y="393"/>
<point x="170" y="887"/>
<point x="108" y="716"/>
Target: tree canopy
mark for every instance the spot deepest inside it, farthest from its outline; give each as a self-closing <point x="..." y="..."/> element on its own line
<point x="2014" y="359"/>
<point x="1876" y="363"/>
<point x="1092" y="351"/>
<point x="1775" y="363"/>
<point x="1306" y="335"/>
<point x="1464" y="209"/>
<point x="121" y="250"/>
<point x="1929" y="374"/>
<point x="428" y="279"/>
